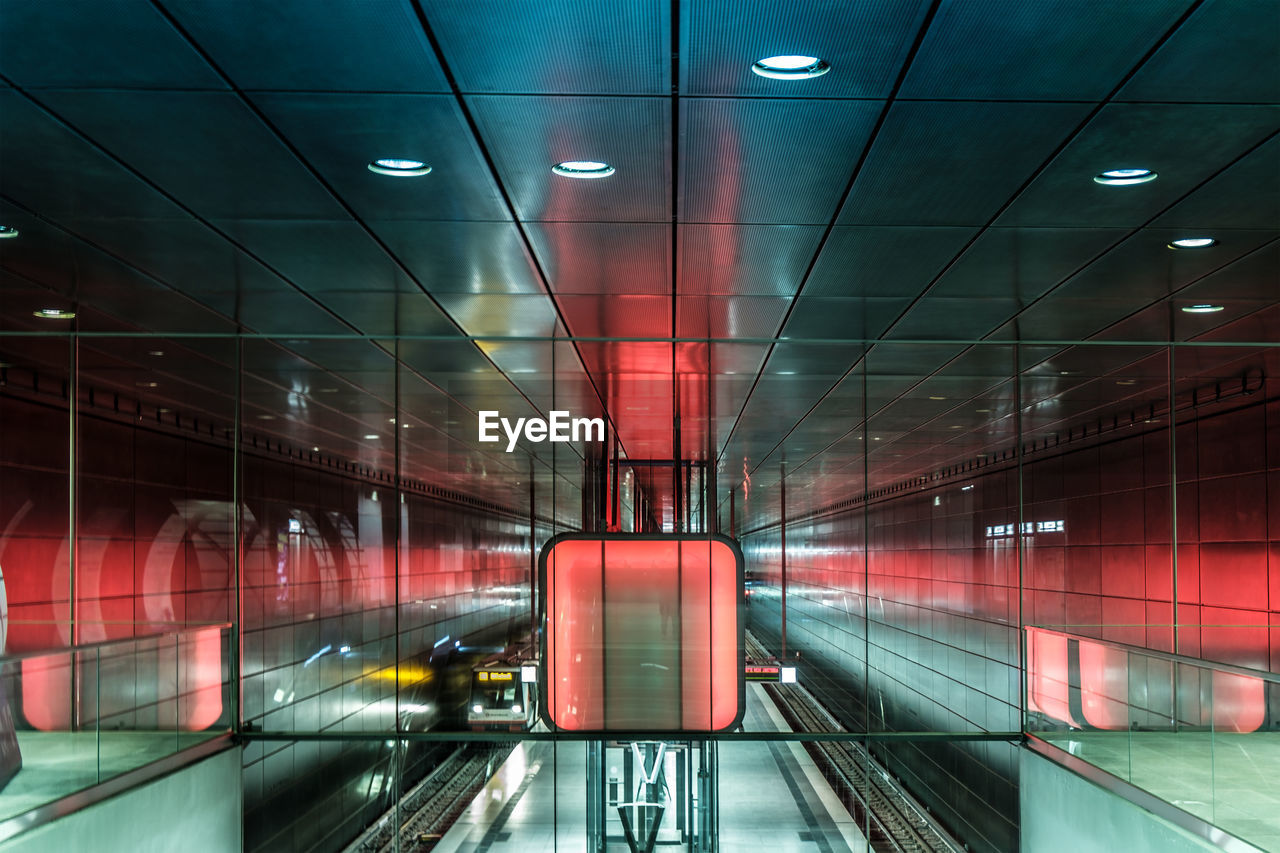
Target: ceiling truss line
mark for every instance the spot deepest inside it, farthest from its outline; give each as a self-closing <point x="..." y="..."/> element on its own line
<point x="1070" y="136"/>
<point x="338" y="199"/>
<point x="527" y="244"/>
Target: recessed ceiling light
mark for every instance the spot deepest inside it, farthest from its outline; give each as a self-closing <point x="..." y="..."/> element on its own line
<point x="53" y="314"/>
<point x="937" y="398"/>
<point x="147" y="384"/>
<point x="7" y="231"/>
<point x="328" y="390"/>
<point x="371" y="437"/>
<point x="790" y="67"/>
<point x="982" y="411"/>
<point x="315" y="450"/>
<point x="583" y="169"/>
<point x="1124" y="177"/>
<point x="399" y="168"/>
<point x="1202" y="308"/>
<point x="1126" y="382"/>
<point x="155" y="352"/>
<point x="1193" y="243"/>
<point x="266" y="417"/>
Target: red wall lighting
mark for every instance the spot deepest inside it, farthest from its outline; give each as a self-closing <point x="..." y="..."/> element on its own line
<point x="642" y="632"/>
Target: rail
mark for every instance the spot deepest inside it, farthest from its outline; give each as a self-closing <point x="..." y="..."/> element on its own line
<point x="892" y="820"/>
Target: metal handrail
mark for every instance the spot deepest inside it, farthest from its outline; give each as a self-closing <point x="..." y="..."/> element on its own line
<point x="1233" y="669"/>
<point x="190" y="628"/>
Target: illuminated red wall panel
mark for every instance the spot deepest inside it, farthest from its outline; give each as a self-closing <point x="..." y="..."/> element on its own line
<point x="642" y="633"/>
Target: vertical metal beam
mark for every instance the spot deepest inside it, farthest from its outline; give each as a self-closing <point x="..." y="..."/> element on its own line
<point x="237" y="540"/>
<point x="782" y="527"/>
<point x="73" y="393"/>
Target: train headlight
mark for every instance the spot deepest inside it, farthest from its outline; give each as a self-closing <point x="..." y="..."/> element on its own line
<point x="516" y="709"/>
<point x="477" y="709"/>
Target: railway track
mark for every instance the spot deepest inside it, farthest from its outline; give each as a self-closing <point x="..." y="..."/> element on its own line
<point x="893" y="822"/>
<point x="434" y="803"/>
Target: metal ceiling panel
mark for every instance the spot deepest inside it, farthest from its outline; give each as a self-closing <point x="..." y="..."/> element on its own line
<point x="1063" y="318"/>
<point x="182" y="253"/>
<point x="769" y="161"/>
<point x="730" y="316"/>
<point x="207" y="149"/>
<point x="940" y="318"/>
<point x="604" y="257"/>
<point x="745" y="260"/>
<point x="842" y="319"/>
<point x="621" y="47"/>
<point x="1183" y="143"/>
<point x="319" y="256"/>
<point x="624" y="315"/>
<point x="388" y="313"/>
<point x="1219" y="54"/>
<point x="49" y="169"/>
<point x="1246" y="195"/>
<point x="284" y="312"/>
<point x="864" y="43"/>
<point x="883" y="261"/>
<point x="1253" y="276"/>
<point x="527" y="136"/>
<point x="954" y="163"/>
<point x="462" y="257"/>
<point x="1046" y="50"/>
<point x="340" y="134"/>
<point x="92" y="43"/>
<point x="500" y="315"/>
<point x="295" y="45"/>
<point x="1145" y="267"/>
<point x="1023" y="263"/>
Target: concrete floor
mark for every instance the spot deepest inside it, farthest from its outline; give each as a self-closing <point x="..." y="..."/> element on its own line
<point x="1230" y="780"/>
<point x="56" y="764"/>
<point x="771" y="797"/>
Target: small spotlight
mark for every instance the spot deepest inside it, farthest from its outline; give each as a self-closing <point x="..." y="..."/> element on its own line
<point x="1203" y="308"/>
<point x="583" y="169"/>
<point x="53" y="314"/>
<point x="790" y="67"/>
<point x="1124" y="177"/>
<point x="399" y="168"/>
<point x="1193" y="243"/>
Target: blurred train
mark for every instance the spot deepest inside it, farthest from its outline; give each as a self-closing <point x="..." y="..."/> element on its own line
<point x="504" y="692"/>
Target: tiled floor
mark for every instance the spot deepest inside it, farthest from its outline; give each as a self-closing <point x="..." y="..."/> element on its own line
<point x="55" y="764"/>
<point x="771" y="797"/>
<point x="1229" y="780"/>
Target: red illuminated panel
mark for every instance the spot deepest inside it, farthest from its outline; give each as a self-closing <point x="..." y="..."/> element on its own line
<point x="643" y="633"/>
<point x="1047" y="680"/>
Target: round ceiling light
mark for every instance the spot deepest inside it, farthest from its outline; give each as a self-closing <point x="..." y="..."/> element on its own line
<point x="1193" y="243"/>
<point x="583" y="169"/>
<point x="399" y="168"/>
<point x="790" y="67"/>
<point x="1202" y="308"/>
<point x="1124" y="177"/>
<point x="54" y="314"/>
<point x="7" y="231"/>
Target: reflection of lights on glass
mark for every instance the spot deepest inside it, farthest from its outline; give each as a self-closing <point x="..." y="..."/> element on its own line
<point x="477" y="709"/>
<point x="788" y="675"/>
<point x="295" y="526"/>
<point x="516" y="709"/>
<point x="344" y="649"/>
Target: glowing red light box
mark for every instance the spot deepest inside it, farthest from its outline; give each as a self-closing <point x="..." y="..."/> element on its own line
<point x="642" y="632"/>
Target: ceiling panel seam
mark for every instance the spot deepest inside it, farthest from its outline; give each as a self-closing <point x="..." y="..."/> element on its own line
<point x="1013" y="197"/>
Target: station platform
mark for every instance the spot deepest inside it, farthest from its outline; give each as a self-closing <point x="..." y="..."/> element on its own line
<point x="771" y="797"/>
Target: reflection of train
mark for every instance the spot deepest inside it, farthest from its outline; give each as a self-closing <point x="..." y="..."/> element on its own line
<point x="504" y="693"/>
